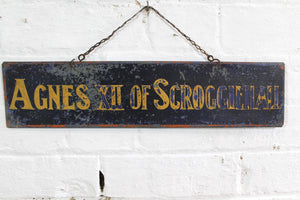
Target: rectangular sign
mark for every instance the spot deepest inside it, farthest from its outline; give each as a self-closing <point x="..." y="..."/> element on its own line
<point x="143" y="94"/>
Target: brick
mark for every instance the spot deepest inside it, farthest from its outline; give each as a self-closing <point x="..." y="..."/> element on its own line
<point x="259" y="29"/>
<point x="270" y="173"/>
<point x="292" y="74"/>
<point x="55" y="176"/>
<point x="287" y="138"/>
<point x="63" y="141"/>
<point x="205" y="140"/>
<point x="169" y="176"/>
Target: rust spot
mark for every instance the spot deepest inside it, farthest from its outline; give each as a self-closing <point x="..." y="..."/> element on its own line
<point x="46" y="126"/>
<point x="58" y="126"/>
<point x="5" y="91"/>
<point x="215" y="125"/>
<point x="107" y="125"/>
<point x="281" y="67"/>
<point x="129" y="126"/>
<point x="175" y="126"/>
<point x="241" y="157"/>
<point x="139" y="126"/>
<point x="25" y="20"/>
<point x="276" y="147"/>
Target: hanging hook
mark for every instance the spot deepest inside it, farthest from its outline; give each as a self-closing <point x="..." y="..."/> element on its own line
<point x="147" y="7"/>
<point x="72" y="62"/>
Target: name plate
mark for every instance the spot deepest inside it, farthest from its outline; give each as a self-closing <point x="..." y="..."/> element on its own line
<point x="143" y="94"/>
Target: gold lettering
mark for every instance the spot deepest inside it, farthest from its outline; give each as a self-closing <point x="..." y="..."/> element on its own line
<point x="198" y="97"/>
<point x="164" y="97"/>
<point x="83" y="97"/>
<point x="276" y="98"/>
<point x="252" y="98"/>
<point x="269" y="96"/>
<point x="238" y="94"/>
<point x="135" y="103"/>
<point x="102" y="89"/>
<point x="66" y="95"/>
<point x="210" y="103"/>
<point x="175" y="105"/>
<point x="37" y="99"/>
<point x="144" y="96"/>
<point x="186" y="93"/>
<point x="20" y="87"/>
<point x="221" y="102"/>
<point x="54" y="96"/>
<point x="116" y="97"/>
<point x="262" y="98"/>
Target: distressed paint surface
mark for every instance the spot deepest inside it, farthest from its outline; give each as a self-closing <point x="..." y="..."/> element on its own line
<point x="146" y="94"/>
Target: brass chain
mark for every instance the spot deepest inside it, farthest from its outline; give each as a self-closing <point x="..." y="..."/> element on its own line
<point x="209" y="57"/>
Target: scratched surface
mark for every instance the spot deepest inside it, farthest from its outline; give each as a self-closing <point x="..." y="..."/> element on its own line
<point x="228" y="104"/>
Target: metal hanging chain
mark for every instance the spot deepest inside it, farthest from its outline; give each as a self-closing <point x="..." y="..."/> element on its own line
<point x="209" y="57"/>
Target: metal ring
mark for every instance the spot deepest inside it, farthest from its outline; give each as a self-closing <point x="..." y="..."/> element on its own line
<point x="81" y="57"/>
<point x="210" y="58"/>
<point x="217" y="61"/>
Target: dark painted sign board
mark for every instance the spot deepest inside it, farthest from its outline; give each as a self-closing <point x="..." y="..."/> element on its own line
<point x="143" y="94"/>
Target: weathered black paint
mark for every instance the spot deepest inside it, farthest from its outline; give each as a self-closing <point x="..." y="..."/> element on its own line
<point x="141" y="73"/>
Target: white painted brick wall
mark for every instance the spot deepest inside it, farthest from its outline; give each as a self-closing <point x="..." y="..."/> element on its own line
<point x="162" y="164"/>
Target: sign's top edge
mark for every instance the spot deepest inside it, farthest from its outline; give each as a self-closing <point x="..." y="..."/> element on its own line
<point x="156" y="62"/>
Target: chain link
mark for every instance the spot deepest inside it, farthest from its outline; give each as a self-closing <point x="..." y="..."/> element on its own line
<point x="209" y="57"/>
